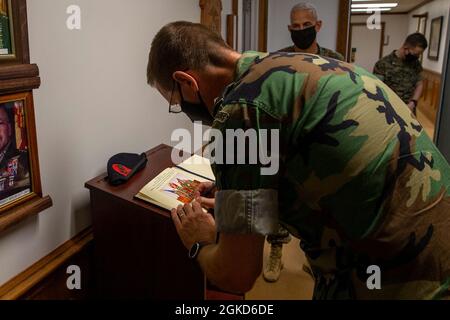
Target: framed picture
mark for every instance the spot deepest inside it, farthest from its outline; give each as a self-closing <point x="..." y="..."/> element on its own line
<point x="13" y="32"/>
<point x="422" y="23"/>
<point x="6" y="29"/>
<point x="19" y="168"/>
<point x="435" y="38"/>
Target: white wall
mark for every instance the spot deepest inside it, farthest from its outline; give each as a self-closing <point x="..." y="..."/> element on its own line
<point x="93" y="102"/>
<point x="367" y="45"/>
<point x="435" y="9"/>
<point x="396" y="27"/>
<point x="279" y="19"/>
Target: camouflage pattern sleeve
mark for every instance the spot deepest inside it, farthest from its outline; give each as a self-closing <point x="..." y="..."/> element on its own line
<point x="247" y="200"/>
<point x="380" y="70"/>
<point x="324" y="52"/>
<point x="339" y="56"/>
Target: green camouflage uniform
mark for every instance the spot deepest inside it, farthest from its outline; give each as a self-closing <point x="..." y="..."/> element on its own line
<point x="324" y="52"/>
<point x="359" y="182"/>
<point x="282" y="235"/>
<point x="400" y="76"/>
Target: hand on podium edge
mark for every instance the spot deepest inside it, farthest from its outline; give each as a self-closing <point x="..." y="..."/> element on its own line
<point x="193" y="224"/>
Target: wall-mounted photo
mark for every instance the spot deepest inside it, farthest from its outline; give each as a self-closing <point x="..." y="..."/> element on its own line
<point x="18" y="155"/>
<point x="13" y="32"/>
<point x="6" y="29"/>
<point x="435" y="38"/>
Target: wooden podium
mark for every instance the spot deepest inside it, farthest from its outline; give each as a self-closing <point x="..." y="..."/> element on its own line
<point x="138" y="254"/>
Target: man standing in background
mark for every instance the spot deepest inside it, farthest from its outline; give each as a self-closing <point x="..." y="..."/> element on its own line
<point x="305" y="25"/>
<point x="402" y="70"/>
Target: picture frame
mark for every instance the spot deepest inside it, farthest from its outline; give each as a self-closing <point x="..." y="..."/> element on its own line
<point x="422" y="21"/>
<point x="435" y="38"/>
<point x="14" y="47"/>
<point x="19" y="166"/>
<point x="18" y="79"/>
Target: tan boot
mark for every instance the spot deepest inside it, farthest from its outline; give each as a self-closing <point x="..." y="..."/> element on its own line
<point x="274" y="265"/>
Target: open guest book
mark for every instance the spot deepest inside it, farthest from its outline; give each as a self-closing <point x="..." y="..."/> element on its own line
<point x="177" y="185"/>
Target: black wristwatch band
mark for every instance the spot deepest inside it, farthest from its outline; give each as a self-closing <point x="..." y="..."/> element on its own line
<point x="195" y="249"/>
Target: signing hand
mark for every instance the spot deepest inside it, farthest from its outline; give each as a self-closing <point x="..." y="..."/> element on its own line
<point x="205" y="195"/>
<point x="193" y="224"/>
<point x="411" y="106"/>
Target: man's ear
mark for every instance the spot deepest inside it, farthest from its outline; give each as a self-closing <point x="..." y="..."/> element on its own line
<point x="318" y="25"/>
<point x="185" y="78"/>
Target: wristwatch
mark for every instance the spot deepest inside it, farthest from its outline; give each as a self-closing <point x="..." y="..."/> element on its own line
<point x="195" y="249"/>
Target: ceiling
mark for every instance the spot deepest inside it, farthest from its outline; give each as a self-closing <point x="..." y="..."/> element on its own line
<point x="403" y="5"/>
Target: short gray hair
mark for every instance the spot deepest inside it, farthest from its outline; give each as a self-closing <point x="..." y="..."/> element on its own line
<point x="306" y="6"/>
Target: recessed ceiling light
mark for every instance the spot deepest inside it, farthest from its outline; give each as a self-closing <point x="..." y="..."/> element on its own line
<point x="374" y="5"/>
<point x="371" y="9"/>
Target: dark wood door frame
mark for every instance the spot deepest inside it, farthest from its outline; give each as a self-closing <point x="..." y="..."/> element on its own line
<point x="343" y="41"/>
<point x="263" y="25"/>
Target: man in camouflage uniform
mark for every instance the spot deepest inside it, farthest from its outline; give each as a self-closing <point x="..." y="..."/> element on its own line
<point x="402" y="70"/>
<point x="359" y="181"/>
<point x="304" y="27"/>
<point x="14" y="171"/>
<point x="304" y="19"/>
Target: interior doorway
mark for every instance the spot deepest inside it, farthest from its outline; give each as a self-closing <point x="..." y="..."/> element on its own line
<point x="366" y="46"/>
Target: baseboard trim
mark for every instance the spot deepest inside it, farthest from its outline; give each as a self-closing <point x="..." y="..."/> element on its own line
<point x="21" y="285"/>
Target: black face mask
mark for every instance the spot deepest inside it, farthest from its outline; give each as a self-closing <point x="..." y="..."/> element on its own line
<point x="410" y="58"/>
<point x="196" y="111"/>
<point x="303" y="39"/>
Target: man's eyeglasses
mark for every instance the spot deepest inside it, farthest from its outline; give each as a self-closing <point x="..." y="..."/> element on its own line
<point x="176" y="108"/>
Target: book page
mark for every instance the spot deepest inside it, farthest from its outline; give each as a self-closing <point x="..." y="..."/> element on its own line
<point x="198" y="165"/>
<point x="171" y="188"/>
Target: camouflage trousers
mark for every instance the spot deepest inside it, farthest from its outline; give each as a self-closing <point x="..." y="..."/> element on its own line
<point x="415" y="268"/>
